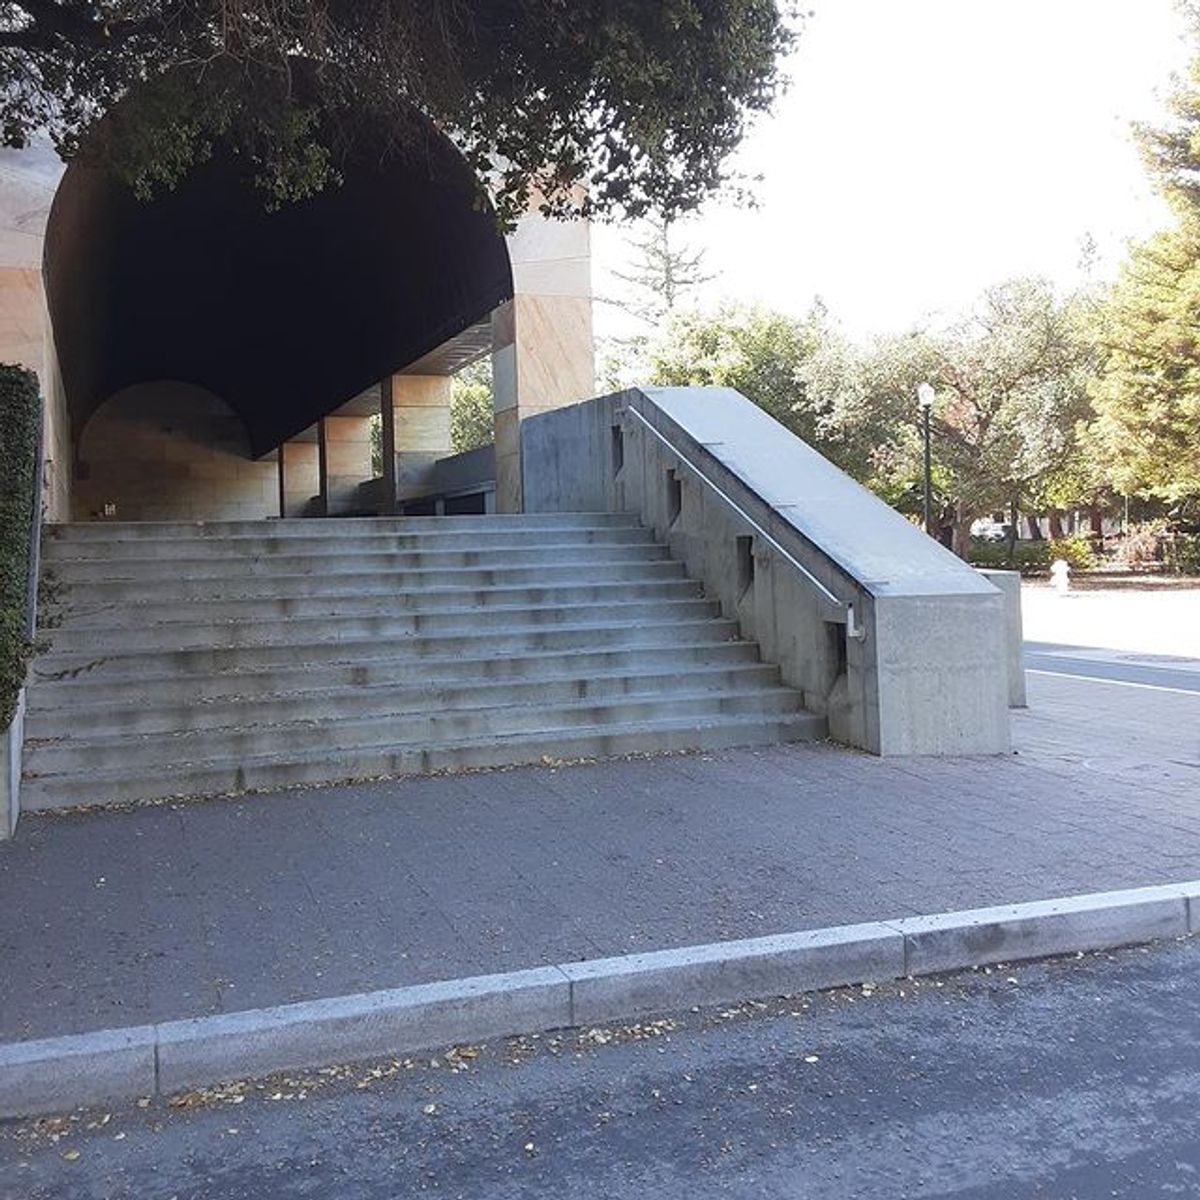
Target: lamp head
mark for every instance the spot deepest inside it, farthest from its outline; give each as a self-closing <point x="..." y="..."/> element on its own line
<point x="925" y="395"/>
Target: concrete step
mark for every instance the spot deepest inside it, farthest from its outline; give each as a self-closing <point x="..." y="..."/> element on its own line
<point x="87" y="614"/>
<point x="168" y="550"/>
<point x="431" y="622"/>
<point x="208" y="747"/>
<point x="80" y="595"/>
<point x="338" y="527"/>
<point x="543" y="553"/>
<point x="501" y="641"/>
<point x="102" y="720"/>
<point x="199" y="659"/>
<point x="317" y="767"/>
<point x="76" y="699"/>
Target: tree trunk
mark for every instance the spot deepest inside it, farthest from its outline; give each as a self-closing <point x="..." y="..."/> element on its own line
<point x="1033" y="528"/>
<point x="1056" y="529"/>
<point x="1097" y="520"/>
<point x="961" y="543"/>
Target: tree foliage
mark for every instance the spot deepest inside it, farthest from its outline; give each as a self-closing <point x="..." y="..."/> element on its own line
<point x="664" y="271"/>
<point x="597" y="106"/>
<point x="1171" y="150"/>
<point x="1012" y="385"/>
<point x="1147" y="393"/>
<point x="1147" y="396"/>
<point x="756" y="351"/>
<point x="1010" y="377"/>
<point x="472" y="409"/>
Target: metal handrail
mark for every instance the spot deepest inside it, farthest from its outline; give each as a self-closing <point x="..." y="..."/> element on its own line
<point x="844" y="608"/>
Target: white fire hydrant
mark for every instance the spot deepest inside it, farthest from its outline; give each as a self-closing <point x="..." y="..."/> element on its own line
<point x="1060" y="576"/>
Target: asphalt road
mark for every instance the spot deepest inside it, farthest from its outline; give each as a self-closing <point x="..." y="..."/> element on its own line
<point x="1069" y="1079"/>
<point x="1116" y="666"/>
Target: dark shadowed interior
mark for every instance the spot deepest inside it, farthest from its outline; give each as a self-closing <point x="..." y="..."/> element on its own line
<point x="285" y="315"/>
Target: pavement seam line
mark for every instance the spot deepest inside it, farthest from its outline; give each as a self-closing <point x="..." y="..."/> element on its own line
<point x="894" y="924"/>
<point x="570" y="995"/>
<point x="59" y="1073"/>
<point x="1147" y="687"/>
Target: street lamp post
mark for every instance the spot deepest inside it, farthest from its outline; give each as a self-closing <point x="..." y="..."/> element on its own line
<point x="925" y="396"/>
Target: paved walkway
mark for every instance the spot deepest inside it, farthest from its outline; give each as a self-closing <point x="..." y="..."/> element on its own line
<point x="1158" y="616"/>
<point x="120" y="918"/>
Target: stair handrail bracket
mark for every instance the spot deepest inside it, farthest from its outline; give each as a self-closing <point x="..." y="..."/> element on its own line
<point x="834" y="609"/>
<point x="899" y="643"/>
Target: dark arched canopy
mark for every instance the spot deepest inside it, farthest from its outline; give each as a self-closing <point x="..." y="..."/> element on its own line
<point x="285" y="315"/>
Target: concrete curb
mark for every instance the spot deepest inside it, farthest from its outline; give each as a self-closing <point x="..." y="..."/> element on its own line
<point x="56" y="1074"/>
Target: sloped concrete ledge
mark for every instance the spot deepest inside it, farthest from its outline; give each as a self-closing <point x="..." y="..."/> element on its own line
<point x="56" y="1074"/>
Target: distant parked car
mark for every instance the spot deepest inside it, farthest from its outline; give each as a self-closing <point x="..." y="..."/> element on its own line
<point x="991" y="531"/>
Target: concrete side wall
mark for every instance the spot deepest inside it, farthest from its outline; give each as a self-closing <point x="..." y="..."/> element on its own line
<point x="942" y="674"/>
<point x="11" y="741"/>
<point x="929" y="674"/>
<point x="1009" y="583"/>
<point x="171" y="452"/>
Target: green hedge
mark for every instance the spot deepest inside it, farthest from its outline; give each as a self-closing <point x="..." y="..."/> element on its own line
<point x="1034" y="556"/>
<point x="1181" y="553"/>
<point x="20" y="411"/>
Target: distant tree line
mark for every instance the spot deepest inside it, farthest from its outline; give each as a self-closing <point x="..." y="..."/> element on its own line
<point x="1046" y="402"/>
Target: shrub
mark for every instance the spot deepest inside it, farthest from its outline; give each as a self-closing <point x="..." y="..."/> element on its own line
<point x="1142" y="545"/>
<point x="1181" y="553"/>
<point x="1030" y="557"/>
<point x="20" y="412"/>
<point x="993" y="554"/>
<point x="1076" y="550"/>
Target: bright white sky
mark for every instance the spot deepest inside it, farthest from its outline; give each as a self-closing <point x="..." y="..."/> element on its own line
<point x="929" y="148"/>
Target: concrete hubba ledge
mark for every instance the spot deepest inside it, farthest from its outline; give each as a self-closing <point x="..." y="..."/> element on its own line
<point x="902" y="646"/>
<point x="56" y="1074"/>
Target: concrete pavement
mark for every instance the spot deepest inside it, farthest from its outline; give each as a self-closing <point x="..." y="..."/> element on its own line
<point x="1067" y="1079"/>
<point x="1155" y="617"/>
<point x="186" y="910"/>
<point x="1175" y="672"/>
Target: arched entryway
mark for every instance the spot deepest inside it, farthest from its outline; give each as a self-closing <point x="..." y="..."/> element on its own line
<point x="285" y="315"/>
<point x="169" y="451"/>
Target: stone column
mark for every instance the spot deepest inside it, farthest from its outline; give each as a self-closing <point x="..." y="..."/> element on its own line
<point x="416" y="431"/>
<point x="344" y="455"/>
<point x="299" y="474"/>
<point x="542" y="352"/>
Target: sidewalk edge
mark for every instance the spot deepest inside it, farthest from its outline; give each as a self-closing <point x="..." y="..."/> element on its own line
<point x="56" y="1074"/>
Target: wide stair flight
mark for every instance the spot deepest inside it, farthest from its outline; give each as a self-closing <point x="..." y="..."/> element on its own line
<point x="203" y="659"/>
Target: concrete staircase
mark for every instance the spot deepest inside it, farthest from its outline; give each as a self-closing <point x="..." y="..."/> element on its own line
<point x="202" y="659"/>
